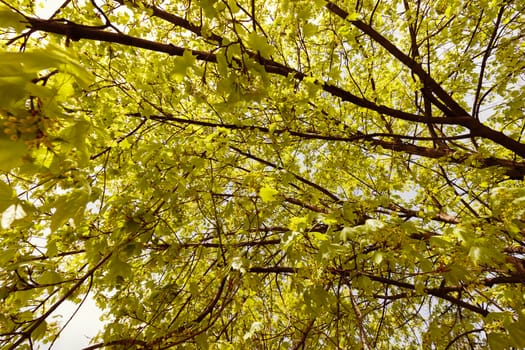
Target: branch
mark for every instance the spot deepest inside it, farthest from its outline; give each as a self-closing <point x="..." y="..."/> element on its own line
<point x="304" y="335"/>
<point x="233" y="245"/>
<point x="209" y="308"/>
<point x="128" y="343"/>
<point x="477" y="100"/>
<point x="38" y="322"/>
<point x="437" y="292"/>
<point x="273" y="269"/>
<point x="514" y="170"/>
<point x="455" y="110"/>
<point x="514" y="279"/>
<point x="76" y="32"/>
<point x="298" y="177"/>
<point x="176" y="20"/>
<point x="305" y="205"/>
<point x="456" y="338"/>
<point x="212" y="303"/>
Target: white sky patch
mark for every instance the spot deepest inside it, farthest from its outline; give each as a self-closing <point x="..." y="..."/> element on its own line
<point x="14" y="212"/>
<point x="83" y="326"/>
<point x="45" y="8"/>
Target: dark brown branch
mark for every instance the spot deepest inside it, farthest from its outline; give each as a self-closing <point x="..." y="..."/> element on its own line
<point x="455" y="110"/>
<point x="212" y="303"/>
<point x="306" y="135"/>
<point x="276" y="67"/>
<point x="414" y="66"/>
<point x="392" y="297"/>
<point x="187" y="326"/>
<point x="45" y="257"/>
<point x="456" y="338"/>
<point x="407" y="213"/>
<point x="197" y="30"/>
<point x="441" y="293"/>
<point x="127" y="343"/>
<point x="234" y="245"/>
<point x="122" y="138"/>
<point x="178" y="21"/>
<point x="76" y="32"/>
<point x="304" y="335"/>
<point x="305" y="205"/>
<point x="514" y="170"/>
<point x="273" y="269"/>
<point x="514" y="279"/>
<point x="477" y="100"/>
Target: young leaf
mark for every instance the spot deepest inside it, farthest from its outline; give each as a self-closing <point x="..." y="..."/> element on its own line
<point x="268" y="194"/>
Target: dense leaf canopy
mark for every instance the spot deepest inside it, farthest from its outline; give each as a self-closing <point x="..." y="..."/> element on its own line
<point x="278" y="174"/>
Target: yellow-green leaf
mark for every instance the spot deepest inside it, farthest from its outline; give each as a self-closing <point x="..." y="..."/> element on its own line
<point x="268" y="194"/>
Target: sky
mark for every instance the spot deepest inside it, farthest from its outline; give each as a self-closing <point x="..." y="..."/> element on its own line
<point x="84" y="325"/>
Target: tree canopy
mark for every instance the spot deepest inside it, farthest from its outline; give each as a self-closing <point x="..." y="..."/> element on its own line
<point x="278" y="174"/>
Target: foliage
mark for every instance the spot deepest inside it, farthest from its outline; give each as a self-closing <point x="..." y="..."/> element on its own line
<point x="229" y="174"/>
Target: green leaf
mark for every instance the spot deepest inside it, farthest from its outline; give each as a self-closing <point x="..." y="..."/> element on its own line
<point x="11" y="19"/>
<point x="268" y="194"/>
<point x="498" y="340"/>
<point x="11" y="153"/>
<point x="4" y="292"/>
<point x="259" y="43"/>
<point x="207" y="6"/>
<point x="119" y="268"/>
<point x="6" y="196"/>
<point x="353" y="16"/>
<point x="68" y="207"/>
<point x="6" y="255"/>
<point x="255" y="327"/>
<point x="40" y="331"/>
<point x="378" y="257"/>
<point x="76" y="135"/>
<point x="28" y="62"/>
<point x="455" y="274"/>
<point x="182" y="64"/>
<point x="49" y="277"/>
<point x="12" y="89"/>
<point x="202" y="341"/>
<point x="51" y="248"/>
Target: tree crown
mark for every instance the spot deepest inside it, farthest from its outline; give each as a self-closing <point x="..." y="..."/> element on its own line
<point x="226" y="174"/>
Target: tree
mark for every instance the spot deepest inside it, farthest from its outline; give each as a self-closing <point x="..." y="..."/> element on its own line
<point x="224" y="174"/>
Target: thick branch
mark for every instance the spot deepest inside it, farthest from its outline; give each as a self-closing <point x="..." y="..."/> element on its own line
<point x="414" y="66"/>
<point x="514" y="170"/>
<point x="441" y="293"/>
<point x="76" y="32"/>
<point x="273" y="269"/>
<point x="455" y="110"/>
